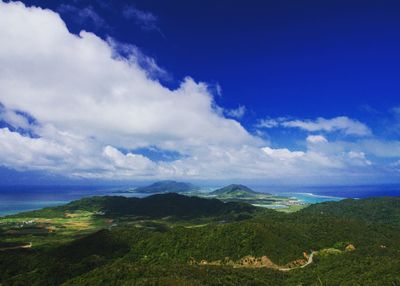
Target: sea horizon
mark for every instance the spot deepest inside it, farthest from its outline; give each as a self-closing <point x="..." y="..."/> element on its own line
<point x="20" y="198"/>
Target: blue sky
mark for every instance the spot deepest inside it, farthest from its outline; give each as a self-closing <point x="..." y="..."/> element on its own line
<point x="199" y="90"/>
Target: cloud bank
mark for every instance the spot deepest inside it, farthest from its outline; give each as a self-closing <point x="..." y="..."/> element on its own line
<point x="81" y="106"/>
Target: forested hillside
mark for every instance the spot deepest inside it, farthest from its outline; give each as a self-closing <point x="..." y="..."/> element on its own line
<point x="194" y="241"/>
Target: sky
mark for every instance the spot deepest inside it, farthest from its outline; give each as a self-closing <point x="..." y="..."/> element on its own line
<point x="274" y="92"/>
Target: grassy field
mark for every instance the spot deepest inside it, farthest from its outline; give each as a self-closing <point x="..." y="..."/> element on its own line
<point x="292" y="208"/>
<point x="48" y="228"/>
<point x="44" y="229"/>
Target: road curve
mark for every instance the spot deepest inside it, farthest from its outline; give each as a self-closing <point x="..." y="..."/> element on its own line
<point x="309" y="261"/>
<point x="29" y="245"/>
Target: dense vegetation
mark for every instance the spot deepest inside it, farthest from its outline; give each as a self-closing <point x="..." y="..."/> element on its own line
<point x="234" y="189"/>
<point x="380" y="210"/>
<point x="241" y="193"/>
<point x="171" y="239"/>
<point x="157" y="206"/>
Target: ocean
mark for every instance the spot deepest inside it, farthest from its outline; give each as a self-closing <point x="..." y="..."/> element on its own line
<point x="14" y="199"/>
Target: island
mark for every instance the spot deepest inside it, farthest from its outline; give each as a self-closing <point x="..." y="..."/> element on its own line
<point x="167" y="187"/>
<point x="241" y="193"/>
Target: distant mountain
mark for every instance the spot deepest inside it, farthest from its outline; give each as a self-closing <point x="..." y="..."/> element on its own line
<point x="235" y="190"/>
<point x="167" y="187"/>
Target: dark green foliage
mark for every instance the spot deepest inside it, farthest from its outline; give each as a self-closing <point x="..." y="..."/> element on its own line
<point x="101" y="243"/>
<point x="122" y="273"/>
<point x="234" y="189"/>
<point x="50" y="212"/>
<point x="158" y="206"/>
<point x="158" y="252"/>
<point x="371" y="267"/>
<point x="5" y="244"/>
<point x="216" y="242"/>
<point x="381" y="210"/>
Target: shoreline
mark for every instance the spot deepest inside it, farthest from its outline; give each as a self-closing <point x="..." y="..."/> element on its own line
<point x="27" y="199"/>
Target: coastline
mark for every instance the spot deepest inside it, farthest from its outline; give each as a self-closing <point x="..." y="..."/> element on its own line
<point x="27" y="198"/>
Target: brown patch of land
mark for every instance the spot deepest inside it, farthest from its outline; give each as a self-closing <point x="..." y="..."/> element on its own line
<point x="71" y="215"/>
<point x="256" y="262"/>
<point x="78" y="224"/>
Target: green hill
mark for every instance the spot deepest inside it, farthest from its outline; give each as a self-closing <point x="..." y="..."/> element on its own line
<point x="141" y="245"/>
<point x="167" y="187"/>
<point x="162" y="258"/>
<point x="381" y="210"/>
<point x="234" y="191"/>
<point x="157" y="206"/>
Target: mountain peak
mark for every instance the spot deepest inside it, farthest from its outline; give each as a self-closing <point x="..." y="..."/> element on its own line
<point x="235" y="189"/>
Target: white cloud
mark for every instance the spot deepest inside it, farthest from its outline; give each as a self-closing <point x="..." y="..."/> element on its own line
<point x="269" y="122"/>
<point x="129" y="161"/>
<point x="316" y="139"/>
<point x="359" y="157"/>
<point x="146" y="20"/>
<point x="236" y="113"/>
<point x="76" y="85"/>
<point x="22" y="152"/>
<point x="381" y="148"/>
<point x="83" y="15"/>
<point x="342" y="124"/>
<point x="133" y="54"/>
<point x="89" y="104"/>
<point x="282" y="154"/>
<point x="218" y="89"/>
<point x="14" y="119"/>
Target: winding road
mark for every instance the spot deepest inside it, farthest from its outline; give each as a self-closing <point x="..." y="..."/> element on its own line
<point x="29" y="245"/>
<point x="309" y="261"/>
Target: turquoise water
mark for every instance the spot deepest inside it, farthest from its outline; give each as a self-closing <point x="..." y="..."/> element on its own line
<point x="310" y="198"/>
<point x="26" y="198"/>
<point x="332" y="193"/>
<point x="11" y="207"/>
<point x="14" y="199"/>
